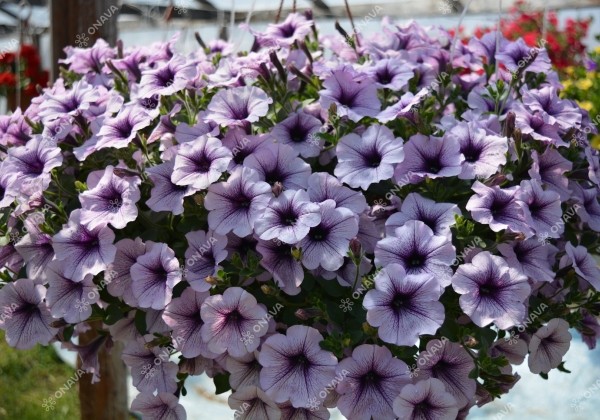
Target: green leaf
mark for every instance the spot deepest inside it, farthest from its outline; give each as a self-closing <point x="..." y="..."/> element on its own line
<point x="112" y="314"/>
<point x="140" y="321"/>
<point x="222" y="383"/>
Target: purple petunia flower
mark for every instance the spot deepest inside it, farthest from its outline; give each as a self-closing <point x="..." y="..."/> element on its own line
<point x="69" y="299"/>
<point x="119" y="284"/>
<point x="201" y="162"/>
<point x="483" y="152"/>
<point x="288" y="217"/>
<point x="369" y="158"/>
<point x="294" y="28"/>
<point x="589" y="210"/>
<point x="81" y="250"/>
<point x="546" y="100"/>
<point x="278" y="260"/>
<point x="499" y="208"/>
<point x="25" y="317"/>
<point x="202" y="257"/>
<point x="120" y="130"/>
<point x="390" y="73"/>
<point x="518" y="57"/>
<point x="238" y="106"/>
<point x="299" y="131"/>
<point x="327" y="243"/>
<point x="429" y="156"/>
<point x="161" y="406"/>
<point x="323" y="186"/>
<point x="295" y="368"/>
<point x="437" y="216"/>
<point x="243" y="371"/>
<point x="426" y="399"/>
<point x="230" y="318"/>
<point x="169" y="78"/>
<point x="279" y="163"/>
<point x="59" y="102"/>
<point x="354" y="96"/>
<point x="289" y="412"/>
<point x="235" y="205"/>
<point x="548" y="346"/>
<point x="251" y="403"/>
<point x="537" y="125"/>
<point x="243" y="145"/>
<point x="35" y="248"/>
<point x="550" y="168"/>
<point x="373" y="380"/>
<point x="450" y="363"/>
<point x="583" y="263"/>
<point x="404" y="107"/>
<point x="417" y="250"/>
<point x="530" y="257"/>
<point x="491" y="291"/>
<point x="111" y="201"/>
<point x="404" y="306"/>
<point x="154" y="275"/>
<point x="31" y="164"/>
<point x="542" y="209"/>
<point x="182" y="315"/>
<point x="151" y="369"/>
<point x="166" y="195"/>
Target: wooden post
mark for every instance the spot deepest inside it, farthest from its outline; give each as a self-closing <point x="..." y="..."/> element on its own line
<point x="81" y="23"/>
<point x="107" y="399"/>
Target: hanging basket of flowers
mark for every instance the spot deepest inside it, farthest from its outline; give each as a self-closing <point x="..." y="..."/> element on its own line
<point x="384" y="225"/>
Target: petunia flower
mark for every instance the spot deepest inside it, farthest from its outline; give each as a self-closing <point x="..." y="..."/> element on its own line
<point x="243" y="371"/>
<point x="182" y="315"/>
<point x="550" y="168"/>
<point x="36" y="248"/>
<point x="518" y="57"/>
<point x="161" y="406"/>
<point x="368" y="158"/>
<point x="243" y="145"/>
<point x="299" y="131"/>
<point x="120" y="130"/>
<point x="426" y="399"/>
<point x="200" y="163"/>
<point x="417" y="250"/>
<point x="230" y="318"/>
<point x="69" y="299"/>
<point x="537" y="125"/>
<point x="289" y="412"/>
<point x="277" y="259"/>
<point x="491" y="291"/>
<point x="279" y="163"/>
<point x="235" y="205"/>
<point x="323" y="186"/>
<point x="154" y="275"/>
<point x="165" y="194"/>
<point x="327" y="243"/>
<point x="437" y="216"/>
<point x="31" y="164"/>
<point x="546" y="100"/>
<point x="295" y="368"/>
<point x="583" y="263"/>
<point x="548" y="345"/>
<point x="450" y="363"/>
<point x="288" y="217"/>
<point x="355" y="97"/>
<point x="373" y="380"/>
<point x="120" y="283"/>
<point x="169" y="78"/>
<point x="499" y="208"/>
<point x="530" y="257"/>
<point x="151" y="369"/>
<point x="202" y="257"/>
<point x="294" y="28"/>
<point x="238" y="106"/>
<point x="251" y="403"/>
<point x="82" y="251"/>
<point x="25" y="317"/>
<point x="58" y="102"/>
<point x="542" y="209"/>
<point x="429" y="157"/>
<point x="484" y="153"/>
<point x="589" y="210"/>
<point x="403" y="306"/>
<point x="111" y="201"/>
<point x="390" y="73"/>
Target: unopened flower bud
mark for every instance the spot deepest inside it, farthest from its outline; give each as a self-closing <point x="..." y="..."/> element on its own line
<point x="470" y="341"/>
<point x="509" y="124"/>
<point x="277" y="189"/>
<point x="355" y="247"/>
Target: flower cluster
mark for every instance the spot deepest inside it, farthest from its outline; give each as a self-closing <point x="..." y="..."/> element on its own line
<point x="27" y="65"/>
<point x="228" y="196"/>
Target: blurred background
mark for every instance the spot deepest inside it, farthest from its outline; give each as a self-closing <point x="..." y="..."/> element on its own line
<point x="28" y="378"/>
